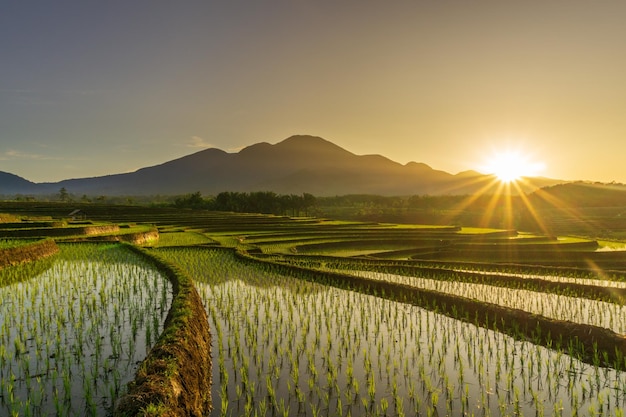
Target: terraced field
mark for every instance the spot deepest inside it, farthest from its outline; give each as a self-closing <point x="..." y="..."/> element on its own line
<point x="319" y="317"/>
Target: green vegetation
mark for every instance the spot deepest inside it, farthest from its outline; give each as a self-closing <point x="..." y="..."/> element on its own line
<point x="272" y="327"/>
<point x="266" y="202"/>
<point x="180" y="238"/>
<point x="310" y="316"/>
<point x="74" y="328"/>
<point x="175" y="378"/>
<point x="13" y="243"/>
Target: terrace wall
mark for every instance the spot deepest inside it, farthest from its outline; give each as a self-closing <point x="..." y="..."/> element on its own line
<point x="27" y="253"/>
<point x="175" y="377"/>
<point x="59" y="231"/>
<point x="138" y="238"/>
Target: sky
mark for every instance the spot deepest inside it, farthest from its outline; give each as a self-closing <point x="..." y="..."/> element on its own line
<point x="93" y="88"/>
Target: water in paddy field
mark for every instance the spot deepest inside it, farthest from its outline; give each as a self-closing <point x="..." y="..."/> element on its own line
<point x="72" y="337"/>
<point x="560" y="307"/>
<point x="284" y="346"/>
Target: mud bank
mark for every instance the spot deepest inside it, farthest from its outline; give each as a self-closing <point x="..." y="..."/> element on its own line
<point x="27" y="253"/>
<point x="139" y="238"/>
<point x="59" y="231"/>
<point x="175" y="377"/>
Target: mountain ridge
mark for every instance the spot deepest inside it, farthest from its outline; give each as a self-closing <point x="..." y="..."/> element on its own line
<point x="297" y="164"/>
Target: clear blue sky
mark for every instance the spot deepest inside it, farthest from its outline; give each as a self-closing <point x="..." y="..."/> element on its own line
<point x="92" y="88"/>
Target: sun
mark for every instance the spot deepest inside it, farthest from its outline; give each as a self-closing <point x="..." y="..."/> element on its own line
<point x="511" y="165"/>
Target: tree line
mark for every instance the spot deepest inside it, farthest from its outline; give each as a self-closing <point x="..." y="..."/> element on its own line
<point x="266" y="202"/>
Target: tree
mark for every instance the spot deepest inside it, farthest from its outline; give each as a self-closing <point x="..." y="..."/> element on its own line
<point x="308" y="202"/>
<point x="64" y="196"/>
<point x="194" y="201"/>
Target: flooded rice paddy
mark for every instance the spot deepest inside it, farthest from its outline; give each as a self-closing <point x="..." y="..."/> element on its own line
<point x="284" y="346"/>
<point x="73" y="332"/>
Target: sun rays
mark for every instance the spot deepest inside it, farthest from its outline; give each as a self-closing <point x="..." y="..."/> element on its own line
<point x="503" y="201"/>
<point x="507" y="204"/>
<point x="509" y="177"/>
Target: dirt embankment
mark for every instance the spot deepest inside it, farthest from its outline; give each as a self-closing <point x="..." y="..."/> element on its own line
<point x="8" y="218"/>
<point x="95" y="230"/>
<point x="140" y="238"/>
<point x="60" y="231"/>
<point x="27" y="253"/>
<point x="175" y="377"/>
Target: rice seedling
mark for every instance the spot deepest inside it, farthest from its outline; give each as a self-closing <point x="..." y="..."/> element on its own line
<point x="178" y="238"/>
<point x="13" y="243"/>
<point x="403" y="354"/>
<point x="560" y="307"/>
<point x="74" y="333"/>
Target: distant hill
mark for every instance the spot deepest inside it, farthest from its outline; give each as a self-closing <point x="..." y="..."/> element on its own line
<point x="299" y="164"/>
<point x="580" y="194"/>
<point x="12" y="184"/>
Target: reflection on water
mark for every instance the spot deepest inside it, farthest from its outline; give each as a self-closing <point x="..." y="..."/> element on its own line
<point x="72" y="336"/>
<point x="292" y="347"/>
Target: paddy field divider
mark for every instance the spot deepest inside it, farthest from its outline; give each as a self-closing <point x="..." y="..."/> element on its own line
<point x="594" y="345"/>
<point x="27" y="252"/>
<point x="175" y="377"/>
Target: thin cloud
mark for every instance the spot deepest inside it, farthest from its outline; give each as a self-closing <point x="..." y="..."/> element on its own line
<point x="198" y="142"/>
<point x="11" y="155"/>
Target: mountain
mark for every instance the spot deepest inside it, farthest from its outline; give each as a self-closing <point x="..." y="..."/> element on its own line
<point x="297" y="164"/>
<point x="12" y="184"/>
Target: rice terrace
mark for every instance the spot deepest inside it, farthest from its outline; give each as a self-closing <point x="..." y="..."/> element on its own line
<point x="347" y="208"/>
<point x="157" y="311"/>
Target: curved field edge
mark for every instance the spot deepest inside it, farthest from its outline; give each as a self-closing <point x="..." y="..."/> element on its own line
<point x="27" y="252"/>
<point x="175" y="377"/>
<point x="136" y="238"/>
<point x="72" y="233"/>
<point x="592" y="292"/>
<point x="591" y="344"/>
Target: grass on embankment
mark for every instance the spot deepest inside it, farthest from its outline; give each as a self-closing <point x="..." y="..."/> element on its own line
<point x="175" y="377"/>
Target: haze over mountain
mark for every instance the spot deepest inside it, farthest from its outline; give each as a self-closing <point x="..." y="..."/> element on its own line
<point x="298" y="164"/>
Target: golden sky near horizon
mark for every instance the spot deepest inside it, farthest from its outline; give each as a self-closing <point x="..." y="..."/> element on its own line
<point x="95" y="89"/>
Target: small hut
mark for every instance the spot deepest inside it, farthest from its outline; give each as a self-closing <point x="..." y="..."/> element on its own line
<point x="77" y="214"/>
